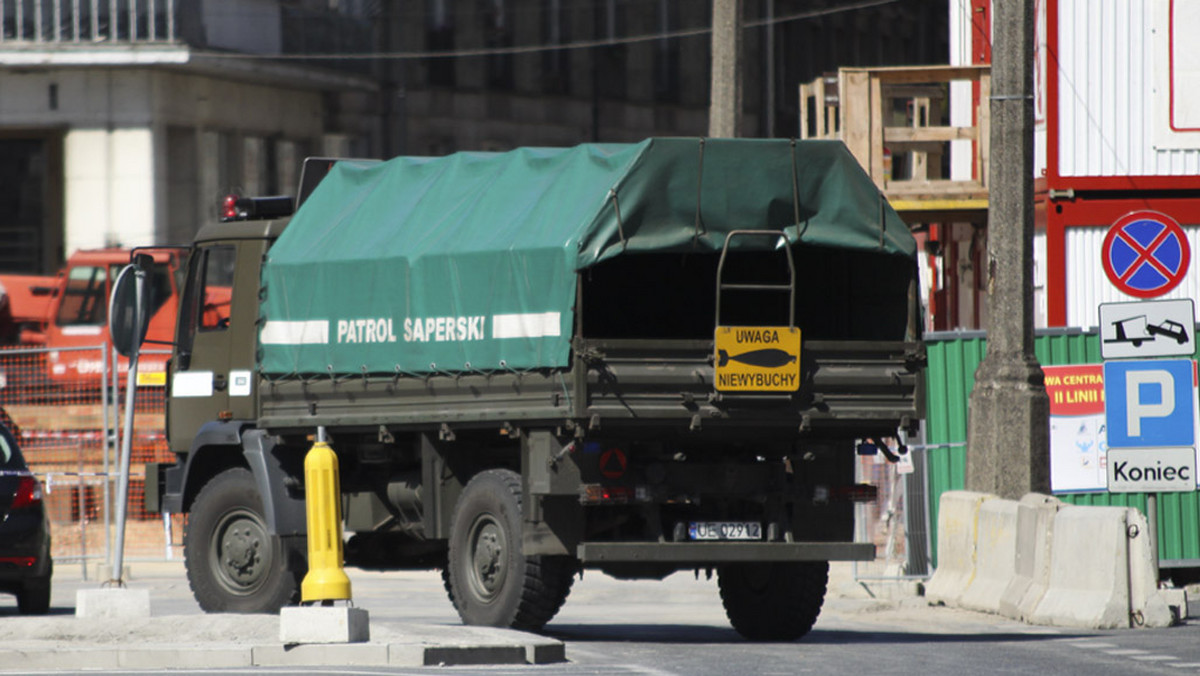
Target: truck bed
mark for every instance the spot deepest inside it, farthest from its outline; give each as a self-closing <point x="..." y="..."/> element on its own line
<point x="872" y="385"/>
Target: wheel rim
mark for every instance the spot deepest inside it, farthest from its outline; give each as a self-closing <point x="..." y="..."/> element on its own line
<point x="240" y="552"/>
<point x="487" y="561"/>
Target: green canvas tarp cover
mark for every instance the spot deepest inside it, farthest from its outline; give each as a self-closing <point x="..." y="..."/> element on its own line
<point x="468" y="262"/>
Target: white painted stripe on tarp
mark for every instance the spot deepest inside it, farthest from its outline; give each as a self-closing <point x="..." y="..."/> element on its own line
<point x="527" y="325"/>
<point x="308" y="332"/>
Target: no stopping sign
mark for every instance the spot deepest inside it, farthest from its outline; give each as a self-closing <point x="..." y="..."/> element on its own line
<point x="1145" y="254"/>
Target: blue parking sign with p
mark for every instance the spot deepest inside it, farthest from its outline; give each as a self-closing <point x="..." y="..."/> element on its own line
<point x="1150" y="403"/>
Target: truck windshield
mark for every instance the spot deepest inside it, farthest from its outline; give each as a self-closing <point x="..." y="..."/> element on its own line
<point x="85" y="298"/>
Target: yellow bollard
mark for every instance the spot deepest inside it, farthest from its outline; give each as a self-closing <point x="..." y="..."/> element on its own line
<point x="325" y="581"/>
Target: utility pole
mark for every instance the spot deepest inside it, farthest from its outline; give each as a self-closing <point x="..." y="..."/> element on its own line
<point x="725" y="104"/>
<point x="1008" y="432"/>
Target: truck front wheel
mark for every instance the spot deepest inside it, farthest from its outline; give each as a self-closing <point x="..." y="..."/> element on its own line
<point x="773" y="601"/>
<point x="234" y="565"/>
<point x="490" y="581"/>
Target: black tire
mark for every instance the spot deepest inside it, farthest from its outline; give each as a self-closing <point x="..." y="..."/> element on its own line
<point x="489" y="580"/>
<point x="34" y="597"/>
<point x="233" y="564"/>
<point x="773" y="601"/>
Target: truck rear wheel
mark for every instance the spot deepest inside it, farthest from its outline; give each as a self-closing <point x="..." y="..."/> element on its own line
<point x="234" y="565"/>
<point x="489" y="580"/>
<point x="773" y="601"/>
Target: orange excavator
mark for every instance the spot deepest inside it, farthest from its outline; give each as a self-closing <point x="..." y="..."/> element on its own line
<point x="57" y="317"/>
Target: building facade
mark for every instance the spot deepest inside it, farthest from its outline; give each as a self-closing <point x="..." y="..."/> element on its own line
<point x="124" y="122"/>
<point x="126" y="128"/>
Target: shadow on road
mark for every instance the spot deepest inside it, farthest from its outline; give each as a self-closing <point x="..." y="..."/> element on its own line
<point x="706" y="634"/>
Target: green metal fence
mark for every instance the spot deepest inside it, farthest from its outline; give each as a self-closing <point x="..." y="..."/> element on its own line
<point x="953" y="358"/>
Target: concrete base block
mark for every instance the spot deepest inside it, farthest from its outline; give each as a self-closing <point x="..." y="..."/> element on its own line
<point x="112" y="603"/>
<point x="321" y="624"/>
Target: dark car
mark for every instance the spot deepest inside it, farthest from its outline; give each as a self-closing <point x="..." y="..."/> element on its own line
<point x="25" y="564"/>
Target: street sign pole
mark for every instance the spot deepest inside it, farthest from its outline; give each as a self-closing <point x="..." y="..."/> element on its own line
<point x="1152" y="518"/>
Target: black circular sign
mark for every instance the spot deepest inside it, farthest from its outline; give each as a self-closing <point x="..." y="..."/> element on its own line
<point x="126" y="325"/>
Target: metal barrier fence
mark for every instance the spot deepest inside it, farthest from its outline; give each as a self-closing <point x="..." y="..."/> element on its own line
<point x="65" y="419"/>
<point x="897" y="523"/>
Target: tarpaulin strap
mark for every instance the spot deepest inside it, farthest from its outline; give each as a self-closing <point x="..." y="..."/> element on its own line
<point x="612" y="194"/>
<point x="800" y="229"/>
<point x="882" y="219"/>
<point x="795" y="187"/>
<point x="699" y="192"/>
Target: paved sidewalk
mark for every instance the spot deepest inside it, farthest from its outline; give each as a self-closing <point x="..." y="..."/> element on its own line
<point x="412" y="623"/>
<point x="178" y="635"/>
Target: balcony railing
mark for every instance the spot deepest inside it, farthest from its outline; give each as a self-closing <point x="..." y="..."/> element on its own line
<point x="896" y="122"/>
<point x="87" y="21"/>
<point x="259" y="28"/>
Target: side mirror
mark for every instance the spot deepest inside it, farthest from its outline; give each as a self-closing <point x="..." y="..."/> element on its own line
<point x="129" y="306"/>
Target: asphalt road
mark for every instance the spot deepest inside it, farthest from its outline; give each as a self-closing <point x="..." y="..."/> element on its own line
<point x="678" y="626"/>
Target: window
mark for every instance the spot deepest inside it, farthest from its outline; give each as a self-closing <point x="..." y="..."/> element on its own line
<point x="556" y="64"/>
<point x="497" y="34"/>
<point x="84" y="298"/>
<point x="439" y="36"/>
<point x="218" y="288"/>
<point x="207" y="296"/>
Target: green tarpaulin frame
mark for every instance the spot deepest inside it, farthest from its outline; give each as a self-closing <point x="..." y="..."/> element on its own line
<point x="468" y="262"/>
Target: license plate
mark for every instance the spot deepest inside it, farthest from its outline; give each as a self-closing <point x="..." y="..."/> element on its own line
<point x="725" y="530"/>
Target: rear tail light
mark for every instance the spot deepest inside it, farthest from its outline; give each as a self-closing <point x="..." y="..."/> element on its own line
<point x="22" y="561"/>
<point x="29" y="492"/>
<point x="599" y="494"/>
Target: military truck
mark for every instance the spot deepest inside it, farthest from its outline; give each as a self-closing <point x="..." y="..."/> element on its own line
<point x="637" y="358"/>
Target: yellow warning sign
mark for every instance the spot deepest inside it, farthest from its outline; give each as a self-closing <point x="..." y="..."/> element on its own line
<point x="757" y="358"/>
<point x="151" y="378"/>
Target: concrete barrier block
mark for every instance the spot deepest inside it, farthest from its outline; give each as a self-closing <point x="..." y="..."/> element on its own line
<point x="1089" y="570"/>
<point x="958" y="516"/>
<point x="1147" y="607"/>
<point x="995" y="556"/>
<point x="321" y="624"/>
<point x="112" y="604"/>
<point x="1035" y="531"/>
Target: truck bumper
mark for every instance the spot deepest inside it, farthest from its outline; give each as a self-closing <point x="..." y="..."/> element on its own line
<point x="722" y="552"/>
